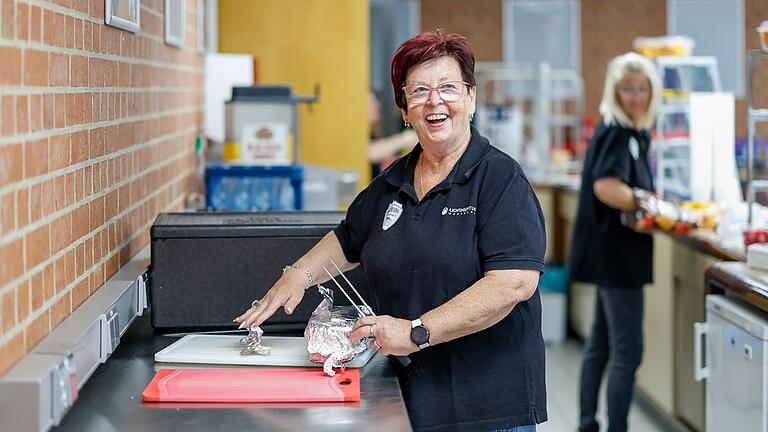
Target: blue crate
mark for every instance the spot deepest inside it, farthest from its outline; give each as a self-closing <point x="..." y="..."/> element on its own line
<point x="554" y="279"/>
<point x="253" y="187"/>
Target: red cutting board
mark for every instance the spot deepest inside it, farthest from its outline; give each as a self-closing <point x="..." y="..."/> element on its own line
<point x="253" y="385"/>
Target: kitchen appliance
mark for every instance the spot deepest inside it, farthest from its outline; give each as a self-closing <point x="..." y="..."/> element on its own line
<point x="262" y="123"/>
<point x="735" y="365"/>
<point x="207" y="268"/>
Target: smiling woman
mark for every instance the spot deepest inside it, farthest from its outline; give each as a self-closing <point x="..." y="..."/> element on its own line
<point x="451" y="238"/>
<point x="439" y="112"/>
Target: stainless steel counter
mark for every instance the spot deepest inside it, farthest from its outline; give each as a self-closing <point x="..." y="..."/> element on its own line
<point x="111" y="400"/>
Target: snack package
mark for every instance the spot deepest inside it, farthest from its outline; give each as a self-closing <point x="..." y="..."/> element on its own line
<point x="327" y="333"/>
<point x="707" y="214"/>
<point x="656" y="214"/>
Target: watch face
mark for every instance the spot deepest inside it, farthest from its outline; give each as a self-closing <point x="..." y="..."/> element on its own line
<point x="419" y="335"/>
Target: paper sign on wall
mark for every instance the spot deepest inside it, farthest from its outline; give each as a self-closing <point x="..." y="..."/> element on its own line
<point x="265" y="143"/>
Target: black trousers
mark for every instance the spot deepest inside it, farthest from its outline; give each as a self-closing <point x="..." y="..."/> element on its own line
<point x="616" y="344"/>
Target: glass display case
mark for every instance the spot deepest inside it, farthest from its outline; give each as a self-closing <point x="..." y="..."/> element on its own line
<point x="680" y="76"/>
<point x="533" y="114"/>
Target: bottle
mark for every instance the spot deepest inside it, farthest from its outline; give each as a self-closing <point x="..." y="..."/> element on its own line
<point x="242" y="194"/>
<point x="196" y="197"/>
<point x="221" y="194"/>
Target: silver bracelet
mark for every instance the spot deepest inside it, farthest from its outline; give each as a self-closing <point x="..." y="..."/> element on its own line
<point x="307" y="272"/>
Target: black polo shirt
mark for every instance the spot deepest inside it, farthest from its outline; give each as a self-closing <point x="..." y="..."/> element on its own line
<point x="603" y="251"/>
<point x="419" y="255"/>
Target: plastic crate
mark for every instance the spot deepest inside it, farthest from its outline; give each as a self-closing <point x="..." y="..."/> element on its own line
<point x="553" y="287"/>
<point x="253" y="187"/>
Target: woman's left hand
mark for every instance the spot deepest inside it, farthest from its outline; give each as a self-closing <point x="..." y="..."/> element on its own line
<point x="392" y="335"/>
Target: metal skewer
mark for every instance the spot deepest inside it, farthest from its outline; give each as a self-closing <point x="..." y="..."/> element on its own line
<point x="370" y="309"/>
<point x="360" y="312"/>
<point x="403" y="360"/>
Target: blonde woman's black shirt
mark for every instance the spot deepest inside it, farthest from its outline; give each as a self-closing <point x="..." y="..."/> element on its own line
<point x="603" y="251"/>
<point x="419" y="255"/>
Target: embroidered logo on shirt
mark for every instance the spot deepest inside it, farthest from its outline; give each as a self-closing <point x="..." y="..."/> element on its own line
<point x="634" y="147"/>
<point x="394" y="211"/>
<point x="458" y="211"/>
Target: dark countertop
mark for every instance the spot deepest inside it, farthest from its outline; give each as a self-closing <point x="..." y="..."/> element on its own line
<point x="735" y="278"/>
<point x="111" y="399"/>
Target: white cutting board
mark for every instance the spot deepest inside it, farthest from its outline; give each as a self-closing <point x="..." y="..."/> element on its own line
<point x="220" y="349"/>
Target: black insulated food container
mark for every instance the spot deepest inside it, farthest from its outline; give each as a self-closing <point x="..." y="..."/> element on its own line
<point x="207" y="268"/>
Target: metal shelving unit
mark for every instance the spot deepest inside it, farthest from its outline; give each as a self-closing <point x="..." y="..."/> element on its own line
<point x="528" y="111"/>
<point x="680" y="77"/>
<point x="754" y="116"/>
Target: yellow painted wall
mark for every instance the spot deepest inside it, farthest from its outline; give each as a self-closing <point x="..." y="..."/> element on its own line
<point x="308" y="42"/>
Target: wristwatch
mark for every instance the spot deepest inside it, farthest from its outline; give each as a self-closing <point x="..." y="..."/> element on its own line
<point x="419" y="333"/>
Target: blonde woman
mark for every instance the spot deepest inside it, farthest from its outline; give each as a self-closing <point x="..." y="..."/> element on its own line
<point x="604" y="252"/>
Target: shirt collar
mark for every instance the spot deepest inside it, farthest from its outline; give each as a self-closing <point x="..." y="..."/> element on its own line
<point x="401" y="174"/>
<point x="478" y="148"/>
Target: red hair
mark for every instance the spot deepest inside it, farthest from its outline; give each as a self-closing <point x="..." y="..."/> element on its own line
<point x="428" y="46"/>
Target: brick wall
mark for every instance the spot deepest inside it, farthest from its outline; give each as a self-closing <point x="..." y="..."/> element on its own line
<point x="607" y="30"/>
<point x="479" y="20"/>
<point x="97" y="130"/>
<point x="755" y="11"/>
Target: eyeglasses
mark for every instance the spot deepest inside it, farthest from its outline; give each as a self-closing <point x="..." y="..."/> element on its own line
<point x="634" y="90"/>
<point x="449" y="91"/>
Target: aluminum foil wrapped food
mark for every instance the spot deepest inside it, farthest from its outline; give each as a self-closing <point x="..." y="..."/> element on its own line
<point x="327" y="333"/>
<point x="251" y="344"/>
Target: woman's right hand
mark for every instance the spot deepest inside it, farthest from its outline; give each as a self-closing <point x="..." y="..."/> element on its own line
<point x="286" y="292"/>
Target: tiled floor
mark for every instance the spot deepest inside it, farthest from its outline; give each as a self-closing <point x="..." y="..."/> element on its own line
<point x="563" y="365"/>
